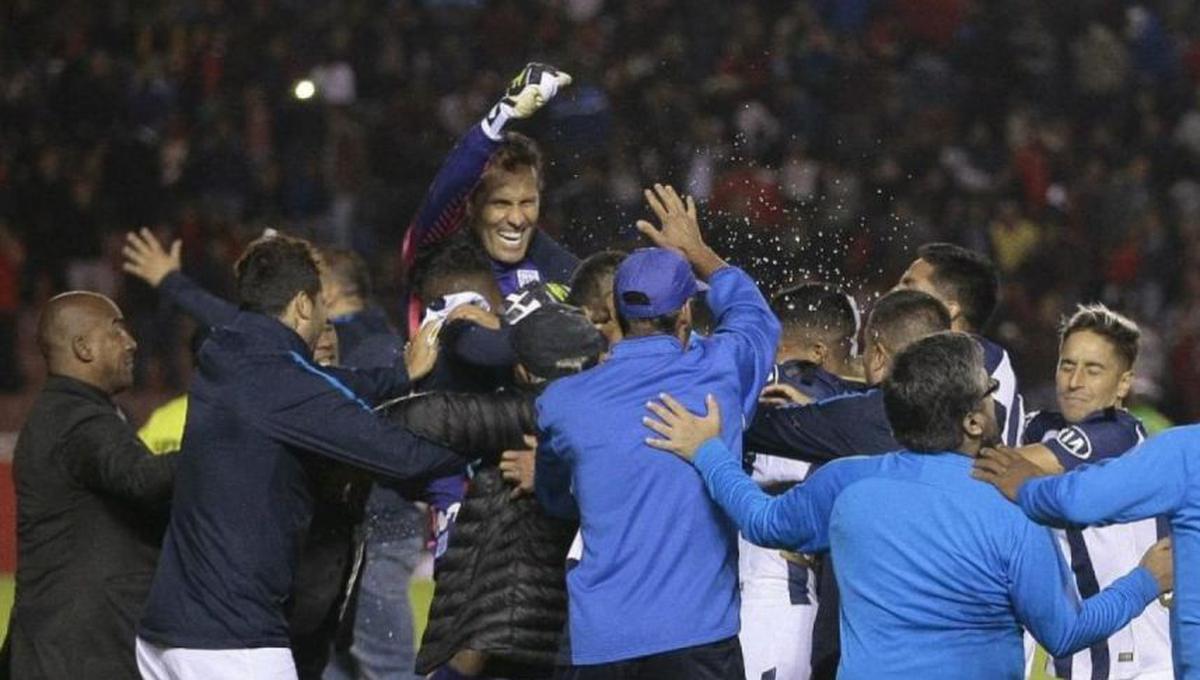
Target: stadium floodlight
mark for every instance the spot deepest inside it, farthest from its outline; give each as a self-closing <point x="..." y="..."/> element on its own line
<point x="305" y="89"/>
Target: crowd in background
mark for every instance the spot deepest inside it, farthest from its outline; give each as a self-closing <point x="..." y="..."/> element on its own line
<point x="825" y="139"/>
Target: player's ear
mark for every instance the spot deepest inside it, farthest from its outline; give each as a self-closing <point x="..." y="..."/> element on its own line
<point x="1125" y="385"/>
<point x="974" y="424"/>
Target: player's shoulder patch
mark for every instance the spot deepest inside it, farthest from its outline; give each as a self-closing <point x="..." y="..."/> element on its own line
<point x="1075" y="441"/>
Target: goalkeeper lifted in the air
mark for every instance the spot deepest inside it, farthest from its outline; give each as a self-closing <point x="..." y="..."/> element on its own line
<point x="492" y="182"/>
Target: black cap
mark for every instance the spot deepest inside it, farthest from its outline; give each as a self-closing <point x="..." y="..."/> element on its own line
<point x="557" y="340"/>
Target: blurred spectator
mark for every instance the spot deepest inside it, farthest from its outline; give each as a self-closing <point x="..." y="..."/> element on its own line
<point x="1063" y="140"/>
<point x="12" y="258"/>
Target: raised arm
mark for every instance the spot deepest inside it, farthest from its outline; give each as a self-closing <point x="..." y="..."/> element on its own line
<point x="147" y="259"/>
<point x="744" y="320"/>
<point x="444" y="208"/>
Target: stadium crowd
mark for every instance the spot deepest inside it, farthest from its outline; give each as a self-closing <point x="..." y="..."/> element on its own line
<point x="845" y="132"/>
<point x="518" y="409"/>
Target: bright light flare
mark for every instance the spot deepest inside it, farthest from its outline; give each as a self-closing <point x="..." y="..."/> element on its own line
<point x="305" y="89"/>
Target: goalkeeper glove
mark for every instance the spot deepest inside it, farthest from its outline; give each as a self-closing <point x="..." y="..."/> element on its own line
<point x="535" y="85"/>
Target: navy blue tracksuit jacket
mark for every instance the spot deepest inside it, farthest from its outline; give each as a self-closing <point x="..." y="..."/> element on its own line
<point x="258" y="410"/>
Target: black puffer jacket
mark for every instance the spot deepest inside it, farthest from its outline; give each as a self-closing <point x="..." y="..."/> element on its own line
<point x="501" y="585"/>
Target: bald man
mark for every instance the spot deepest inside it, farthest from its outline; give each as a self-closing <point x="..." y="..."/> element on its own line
<point x="91" y="503"/>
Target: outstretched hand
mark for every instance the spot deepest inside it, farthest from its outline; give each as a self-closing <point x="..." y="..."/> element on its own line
<point x="145" y="257"/>
<point x="420" y="354"/>
<point x="680" y="229"/>
<point x="682" y="431"/>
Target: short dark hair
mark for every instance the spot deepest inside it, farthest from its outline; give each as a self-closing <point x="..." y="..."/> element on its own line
<point x="655" y="325"/>
<point x="272" y="271"/>
<point x="934" y="384"/>
<point x="967" y="277"/>
<point x="349" y="269"/>
<point x="1119" y="330"/>
<point x="593" y="278"/>
<point x="458" y="265"/>
<point x="904" y="316"/>
<point x="515" y="151"/>
<point x="819" y="309"/>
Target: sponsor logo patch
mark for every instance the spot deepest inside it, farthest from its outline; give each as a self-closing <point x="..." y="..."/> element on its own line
<point x="1076" y="442"/>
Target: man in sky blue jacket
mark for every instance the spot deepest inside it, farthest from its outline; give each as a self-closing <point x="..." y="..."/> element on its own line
<point x="655" y="593"/>
<point x="937" y="574"/>
<point x="1159" y="478"/>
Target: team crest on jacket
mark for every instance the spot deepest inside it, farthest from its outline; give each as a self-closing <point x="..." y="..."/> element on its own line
<point x="1076" y="442"/>
<point x="527" y="276"/>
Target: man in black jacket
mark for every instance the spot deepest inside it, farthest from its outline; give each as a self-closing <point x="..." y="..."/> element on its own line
<point x="260" y="414"/>
<point x="91" y="503"/>
<point x="499" y="608"/>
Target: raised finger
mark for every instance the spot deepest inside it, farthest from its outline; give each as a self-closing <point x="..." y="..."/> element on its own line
<point x="650" y="231"/>
<point x="133" y="254"/>
<point x="135" y="240"/>
<point x="655" y="203"/>
<point x="673" y="202"/>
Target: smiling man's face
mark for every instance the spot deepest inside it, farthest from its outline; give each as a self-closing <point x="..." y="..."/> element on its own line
<point x="508" y="214"/>
<point x="1091" y="375"/>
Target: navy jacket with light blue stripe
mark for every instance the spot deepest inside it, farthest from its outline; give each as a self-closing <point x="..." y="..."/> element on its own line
<point x="258" y="410"/>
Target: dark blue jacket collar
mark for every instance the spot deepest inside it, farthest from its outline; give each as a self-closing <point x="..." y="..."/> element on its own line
<point x="270" y="333"/>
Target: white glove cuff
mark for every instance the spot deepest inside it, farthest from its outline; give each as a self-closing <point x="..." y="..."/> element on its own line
<point x="493" y="123"/>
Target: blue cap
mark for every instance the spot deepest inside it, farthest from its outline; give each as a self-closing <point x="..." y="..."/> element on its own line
<point x="652" y="282"/>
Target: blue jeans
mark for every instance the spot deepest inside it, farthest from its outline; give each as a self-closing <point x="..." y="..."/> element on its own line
<point x="383" y="646"/>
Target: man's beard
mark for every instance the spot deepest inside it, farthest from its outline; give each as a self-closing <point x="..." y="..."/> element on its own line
<point x="991" y="438"/>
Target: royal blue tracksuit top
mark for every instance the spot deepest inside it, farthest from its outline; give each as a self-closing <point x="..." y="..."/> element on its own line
<point x="938" y="573"/>
<point x="659" y="564"/>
